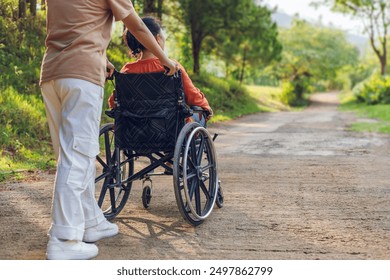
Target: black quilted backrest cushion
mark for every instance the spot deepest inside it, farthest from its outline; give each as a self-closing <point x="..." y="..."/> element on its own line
<point x="148" y="117"/>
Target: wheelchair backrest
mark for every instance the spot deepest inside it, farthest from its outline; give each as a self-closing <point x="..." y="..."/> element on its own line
<point x="148" y="112"/>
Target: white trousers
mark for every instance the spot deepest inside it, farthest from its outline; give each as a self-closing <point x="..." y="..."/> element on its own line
<point x="73" y="109"/>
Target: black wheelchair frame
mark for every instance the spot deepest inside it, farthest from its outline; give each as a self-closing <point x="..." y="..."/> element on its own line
<point x="149" y="114"/>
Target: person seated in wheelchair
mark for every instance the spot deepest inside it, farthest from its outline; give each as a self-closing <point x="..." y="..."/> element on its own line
<point x="147" y="62"/>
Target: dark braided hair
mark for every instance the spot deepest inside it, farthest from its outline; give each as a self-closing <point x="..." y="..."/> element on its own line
<point x="155" y="27"/>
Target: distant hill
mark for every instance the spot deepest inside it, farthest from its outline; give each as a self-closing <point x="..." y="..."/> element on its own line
<point x="359" y="41"/>
<point x="285" y="20"/>
<point x="282" y="19"/>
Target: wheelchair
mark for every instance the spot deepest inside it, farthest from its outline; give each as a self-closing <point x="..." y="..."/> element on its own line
<point x="150" y="116"/>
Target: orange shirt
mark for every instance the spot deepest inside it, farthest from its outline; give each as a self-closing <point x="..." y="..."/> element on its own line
<point x="194" y="97"/>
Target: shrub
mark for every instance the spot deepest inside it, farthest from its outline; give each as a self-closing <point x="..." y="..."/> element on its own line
<point x="223" y="95"/>
<point x="21" y="52"/>
<point x="375" y="90"/>
<point x="287" y="95"/>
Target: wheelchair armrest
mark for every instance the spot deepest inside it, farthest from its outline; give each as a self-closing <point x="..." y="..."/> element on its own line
<point x="198" y="109"/>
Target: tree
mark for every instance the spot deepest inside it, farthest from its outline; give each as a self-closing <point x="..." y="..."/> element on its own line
<point x="154" y="7"/>
<point x="252" y="41"/>
<point x="8" y="10"/>
<point x="375" y="15"/>
<point x="33" y="7"/>
<point x="313" y="53"/>
<point x="22" y="8"/>
<point x="205" y="18"/>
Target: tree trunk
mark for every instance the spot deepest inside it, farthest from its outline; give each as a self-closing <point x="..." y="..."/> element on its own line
<point x="196" y="57"/>
<point x="383" y="62"/>
<point x="43" y="5"/>
<point x="153" y="7"/>
<point x="382" y="56"/>
<point x="196" y="44"/>
<point x="160" y="9"/>
<point x="33" y="7"/>
<point x="243" y="64"/>
<point x="22" y="8"/>
<point x="377" y="28"/>
<point x="149" y="7"/>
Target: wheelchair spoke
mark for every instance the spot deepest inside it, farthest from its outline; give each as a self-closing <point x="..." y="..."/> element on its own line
<point x="104" y="175"/>
<point x="191" y="175"/>
<point x="193" y="153"/>
<point x="192" y="188"/>
<point x="191" y="164"/>
<point x="103" y="190"/>
<point x="207" y="167"/>
<point x="200" y="151"/>
<point x="205" y="177"/>
<point x="113" y="200"/>
<point x="205" y="190"/>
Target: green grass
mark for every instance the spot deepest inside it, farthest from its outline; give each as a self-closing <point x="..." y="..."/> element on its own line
<point x="24" y="135"/>
<point x="371" y="127"/>
<point x="32" y="160"/>
<point x="267" y="98"/>
<point x="380" y="114"/>
<point x="255" y="100"/>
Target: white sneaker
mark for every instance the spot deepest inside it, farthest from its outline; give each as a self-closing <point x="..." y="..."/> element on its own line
<point x="70" y="250"/>
<point x="103" y="230"/>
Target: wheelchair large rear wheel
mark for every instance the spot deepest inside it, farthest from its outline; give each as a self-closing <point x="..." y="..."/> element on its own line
<point x="195" y="173"/>
<point x="113" y="167"/>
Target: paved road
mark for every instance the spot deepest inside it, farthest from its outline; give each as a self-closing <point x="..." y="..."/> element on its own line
<point x="297" y="185"/>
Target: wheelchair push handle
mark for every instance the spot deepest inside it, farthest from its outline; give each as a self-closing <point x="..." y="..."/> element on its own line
<point x="111" y="78"/>
<point x="176" y="75"/>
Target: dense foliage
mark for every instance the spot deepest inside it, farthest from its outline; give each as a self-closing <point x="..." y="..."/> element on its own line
<point x="312" y="56"/>
<point x="21" y="51"/>
<point x="24" y="135"/>
<point x="239" y="32"/>
<point x="374" y="90"/>
<point x="375" y="16"/>
<point x="224" y="44"/>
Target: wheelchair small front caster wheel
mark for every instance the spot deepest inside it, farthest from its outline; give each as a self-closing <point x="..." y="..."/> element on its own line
<point x="146" y="196"/>
<point x="220" y="198"/>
